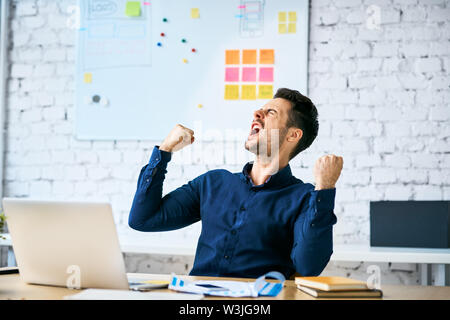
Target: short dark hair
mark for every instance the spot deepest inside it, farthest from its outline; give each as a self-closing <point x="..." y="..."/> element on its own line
<point x="303" y="115"/>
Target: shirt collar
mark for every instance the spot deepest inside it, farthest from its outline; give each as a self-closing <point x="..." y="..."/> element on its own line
<point x="281" y="178"/>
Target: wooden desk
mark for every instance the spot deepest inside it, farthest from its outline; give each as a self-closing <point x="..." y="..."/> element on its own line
<point x="434" y="263"/>
<point x="11" y="287"/>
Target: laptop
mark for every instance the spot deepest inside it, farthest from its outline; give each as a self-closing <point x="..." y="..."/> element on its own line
<point x="70" y="244"/>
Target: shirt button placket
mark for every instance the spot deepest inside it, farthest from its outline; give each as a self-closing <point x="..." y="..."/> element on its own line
<point x="234" y="232"/>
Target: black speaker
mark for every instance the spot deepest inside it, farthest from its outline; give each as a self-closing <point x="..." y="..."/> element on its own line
<point x="418" y="224"/>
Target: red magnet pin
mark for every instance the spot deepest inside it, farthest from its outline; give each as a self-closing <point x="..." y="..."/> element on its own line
<point x="163" y="34"/>
<point x="194" y="50"/>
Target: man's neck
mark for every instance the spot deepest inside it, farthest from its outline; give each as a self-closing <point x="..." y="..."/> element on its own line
<point x="262" y="169"/>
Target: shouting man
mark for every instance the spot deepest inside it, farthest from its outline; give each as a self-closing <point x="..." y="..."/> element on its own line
<point x="261" y="219"/>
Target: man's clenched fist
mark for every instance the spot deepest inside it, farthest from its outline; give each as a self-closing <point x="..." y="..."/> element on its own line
<point x="327" y="171"/>
<point x="177" y="139"/>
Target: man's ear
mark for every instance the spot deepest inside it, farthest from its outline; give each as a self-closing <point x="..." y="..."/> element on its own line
<point x="294" y="135"/>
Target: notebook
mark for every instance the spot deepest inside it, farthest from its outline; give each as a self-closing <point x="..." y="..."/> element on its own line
<point x="342" y="294"/>
<point x="331" y="283"/>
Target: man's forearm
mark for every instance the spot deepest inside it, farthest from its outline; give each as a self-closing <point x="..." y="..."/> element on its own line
<point x="312" y="256"/>
<point x="314" y="234"/>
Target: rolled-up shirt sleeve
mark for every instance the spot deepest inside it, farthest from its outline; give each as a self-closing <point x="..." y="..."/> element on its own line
<point x="313" y="233"/>
<point x="152" y="212"/>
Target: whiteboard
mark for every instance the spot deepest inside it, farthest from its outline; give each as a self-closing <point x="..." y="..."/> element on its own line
<point x="133" y="83"/>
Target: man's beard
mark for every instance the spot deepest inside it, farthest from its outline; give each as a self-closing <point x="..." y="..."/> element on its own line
<point x="266" y="148"/>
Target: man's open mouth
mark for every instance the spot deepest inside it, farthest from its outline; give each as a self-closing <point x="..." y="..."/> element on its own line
<point x="255" y="128"/>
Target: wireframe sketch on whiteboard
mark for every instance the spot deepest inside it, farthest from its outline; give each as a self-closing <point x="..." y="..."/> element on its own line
<point x="252" y="18"/>
<point x="111" y="39"/>
<point x="110" y="9"/>
<point x="98" y="9"/>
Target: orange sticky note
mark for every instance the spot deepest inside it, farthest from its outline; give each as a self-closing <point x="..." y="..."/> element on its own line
<point x="88" y="77"/>
<point x="231" y="92"/>
<point x="265" y="92"/>
<point x="249" y="92"/>
<point x="249" y="56"/>
<point x="266" y="56"/>
<point x="232" y="57"/>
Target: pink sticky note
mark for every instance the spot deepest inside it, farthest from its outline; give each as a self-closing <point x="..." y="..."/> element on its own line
<point x="249" y="74"/>
<point x="232" y="74"/>
<point x="266" y="74"/>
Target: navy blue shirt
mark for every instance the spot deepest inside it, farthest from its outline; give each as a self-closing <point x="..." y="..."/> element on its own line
<point x="282" y="225"/>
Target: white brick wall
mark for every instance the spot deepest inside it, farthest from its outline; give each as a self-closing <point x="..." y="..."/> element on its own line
<point x="383" y="98"/>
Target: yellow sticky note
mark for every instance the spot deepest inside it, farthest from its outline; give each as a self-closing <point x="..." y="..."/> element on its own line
<point x="282" y="28"/>
<point x="266" y="56"/>
<point x="88" y="77"/>
<point x="281" y="16"/>
<point x="292" y="28"/>
<point x="231" y="92"/>
<point x="133" y="8"/>
<point x="292" y="16"/>
<point x="249" y="92"/>
<point x="265" y="92"/>
<point x="195" y="13"/>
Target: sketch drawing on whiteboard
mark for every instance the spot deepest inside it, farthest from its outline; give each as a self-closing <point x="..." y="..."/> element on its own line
<point x="252" y="18"/>
<point x="113" y="39"/>
<point x="101" y="9"/>
<point x="113" y="9"/>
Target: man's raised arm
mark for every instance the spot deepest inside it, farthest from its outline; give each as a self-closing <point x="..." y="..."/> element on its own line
<point x="181" y="207"/>
<point x="313" y="229"/>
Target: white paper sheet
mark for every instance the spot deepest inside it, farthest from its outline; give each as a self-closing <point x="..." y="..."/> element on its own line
<point x="104" y="294"/>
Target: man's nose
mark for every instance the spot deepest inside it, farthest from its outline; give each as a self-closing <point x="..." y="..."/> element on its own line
<point x="258" y="114"/>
